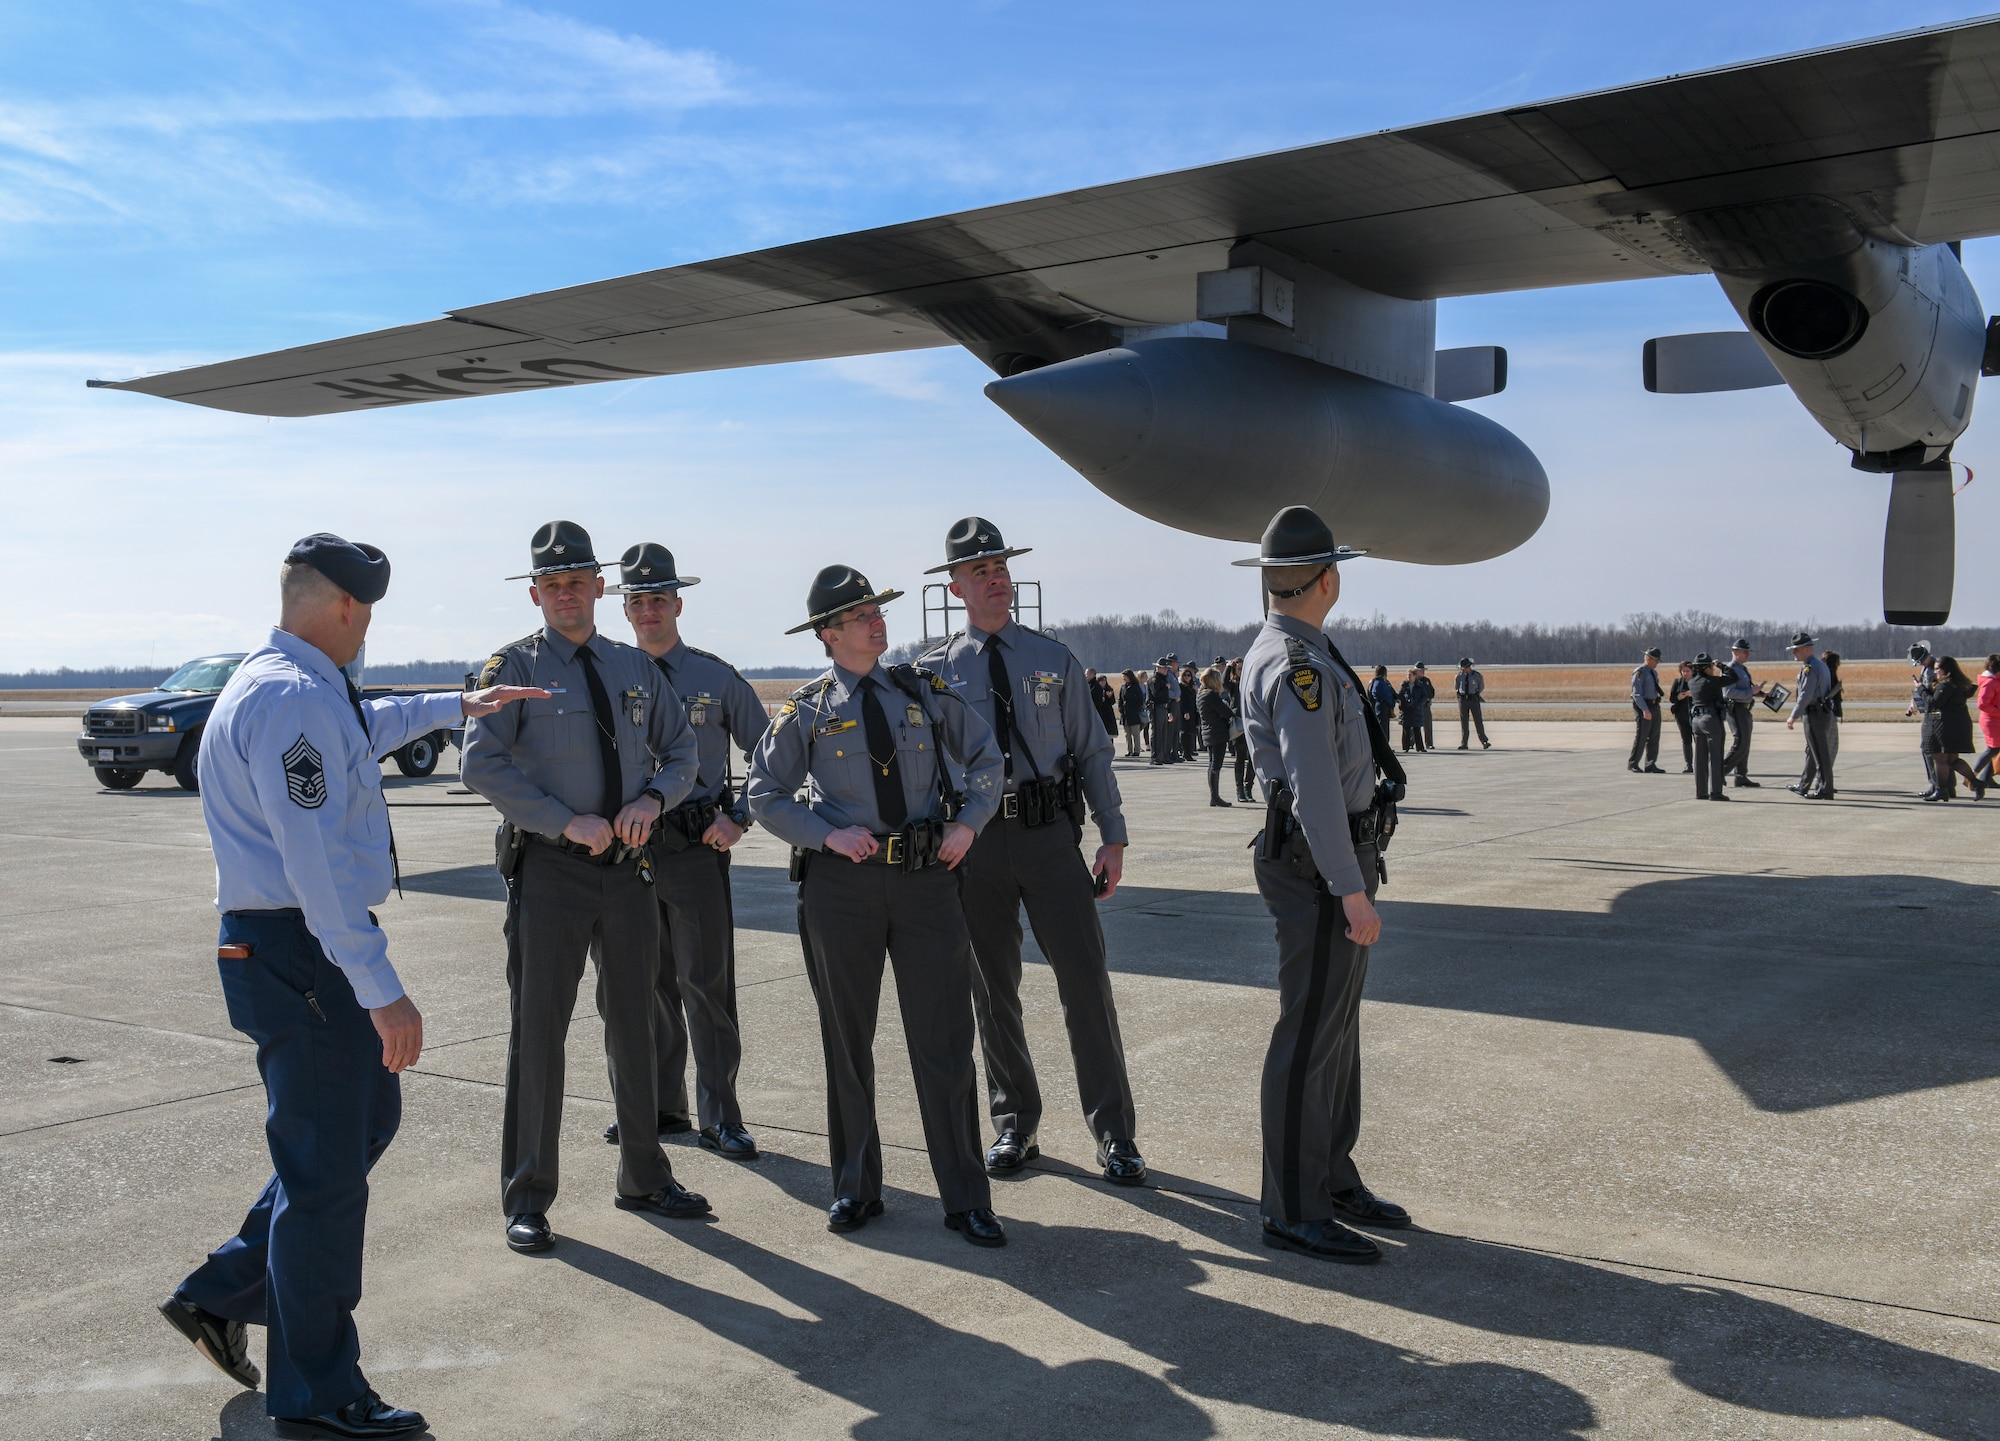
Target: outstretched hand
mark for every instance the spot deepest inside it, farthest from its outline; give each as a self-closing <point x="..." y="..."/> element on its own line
<point x="486" y="702"/>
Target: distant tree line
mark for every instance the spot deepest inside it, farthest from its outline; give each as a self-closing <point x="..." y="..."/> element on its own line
<point x="1116" y="642"/>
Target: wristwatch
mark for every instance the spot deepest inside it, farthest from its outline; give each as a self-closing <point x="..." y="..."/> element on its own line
<point x="650" y="791"/>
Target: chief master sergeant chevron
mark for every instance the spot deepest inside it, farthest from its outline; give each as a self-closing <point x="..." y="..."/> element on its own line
<point x="292" y="794"/>
<point x="1317" y="864"/>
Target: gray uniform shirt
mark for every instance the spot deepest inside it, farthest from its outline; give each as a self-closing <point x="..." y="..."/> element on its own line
<point x="1741" y="690"/>
<point x="1053" y="711"/>
<point x="818" y="741"/>
<point x="1815" y="685"/>
<point x="1646" y="687"/>
<point x="539" y="762"/>
<point x="1307" y="731"/>
<point x="1469" y="682"/>
<point x="720" y="706"/>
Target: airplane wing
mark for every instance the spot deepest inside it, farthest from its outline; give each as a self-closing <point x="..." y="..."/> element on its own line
<point x="1901" y="132"/>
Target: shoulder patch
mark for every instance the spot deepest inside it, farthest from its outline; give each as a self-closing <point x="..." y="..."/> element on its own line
<point x="489" y="671"/>
<point x="305" y="774"/>
<point x="937" y="682"/>
<point x="1306" y="685"/>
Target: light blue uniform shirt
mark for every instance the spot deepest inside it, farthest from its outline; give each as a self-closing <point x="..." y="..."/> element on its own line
<point x="292" y="793"/>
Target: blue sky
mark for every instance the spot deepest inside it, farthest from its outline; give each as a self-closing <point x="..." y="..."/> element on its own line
<point x="190" y="181"/>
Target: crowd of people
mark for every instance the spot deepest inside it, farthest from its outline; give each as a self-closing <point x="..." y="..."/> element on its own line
<point x="1713" y="704"/>
<point x="1177" y="713"/>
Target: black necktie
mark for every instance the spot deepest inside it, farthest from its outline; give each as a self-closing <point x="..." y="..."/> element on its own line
<point x="607" y="736"/>
<point x="361" y="716"/>
<point x="1003" y="701"/>
<point x="883" y="768"/>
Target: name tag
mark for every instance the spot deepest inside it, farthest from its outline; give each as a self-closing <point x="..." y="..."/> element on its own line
<point x="834" y="728"/>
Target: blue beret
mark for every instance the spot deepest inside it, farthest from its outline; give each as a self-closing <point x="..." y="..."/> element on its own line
<point x="360" y="570"/>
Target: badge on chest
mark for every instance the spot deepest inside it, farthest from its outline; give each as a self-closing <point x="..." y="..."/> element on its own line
<point x="1042" y="687"/>
<point x="701" y="707"/>
<point x="635" y="703"/>
<point x="913" y="713"/>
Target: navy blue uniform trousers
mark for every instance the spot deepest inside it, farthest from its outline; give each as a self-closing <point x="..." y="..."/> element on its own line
<point x="295" y="1266"/>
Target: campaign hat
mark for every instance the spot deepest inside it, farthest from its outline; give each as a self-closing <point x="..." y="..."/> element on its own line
<point x="975" y="538"/>
<point x="558" y="546"/>
<point x="1919" y="651"/>
<point x="1739" y="644"/>
<point x="835" y="589"/>
<point x="360" y="570"/>
<point x="1297" y="536"/>
<point x="1465" y="662"/>
<point x="1702" y="660"/>
<point x="648" y="567"/>
<point x="1653" y="651"/>
<point x="1802" y="637"/>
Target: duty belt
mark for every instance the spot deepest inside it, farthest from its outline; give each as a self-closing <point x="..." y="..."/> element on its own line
<point x="611" y="855"/>
<point x="914" y="848"/>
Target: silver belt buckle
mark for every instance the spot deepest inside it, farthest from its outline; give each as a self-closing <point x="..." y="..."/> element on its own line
<point x="1010" y="806"/>
<point x="892" y="849"/>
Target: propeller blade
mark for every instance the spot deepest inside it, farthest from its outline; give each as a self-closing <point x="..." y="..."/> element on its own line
<point x="1919" y="547"/>
<point x="1713" y="360"/>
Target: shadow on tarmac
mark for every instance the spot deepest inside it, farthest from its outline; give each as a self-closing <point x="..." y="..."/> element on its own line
<point x="1152" y="1295"/>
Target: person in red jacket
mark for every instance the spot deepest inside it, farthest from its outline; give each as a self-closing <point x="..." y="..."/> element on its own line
<point x="1989" y="719"/>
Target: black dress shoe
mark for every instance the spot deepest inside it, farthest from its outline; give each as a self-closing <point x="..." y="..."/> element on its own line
<point x="1364" y="1208"/>
<point x="979" y="1226"/>
<point x="669" y="1126"/>
<point x="219" y="1339"/>
<point x="529" y="1232"/>
<point x="729" y="1140"/>
<point x="368" y="1418"/>
<point x="1654" y="771"/>
<point x="676" y="1202"/>
<point x="1718" y="796"/>
<point x="849" y="1214"/>
<point x="1010" y="1153"/>
<point x="1749" y="785"/>
<point x="1633" y="769"/>
<point x="1122" y="1163"/>
<point x="1328" y="1240"/>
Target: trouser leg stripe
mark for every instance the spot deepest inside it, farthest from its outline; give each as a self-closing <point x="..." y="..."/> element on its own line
<point x="1303" y="1046"/>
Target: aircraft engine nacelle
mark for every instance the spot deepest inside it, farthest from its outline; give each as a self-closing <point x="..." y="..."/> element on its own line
<point x="1215" y="436"/>
<point x="1882" y="344"/>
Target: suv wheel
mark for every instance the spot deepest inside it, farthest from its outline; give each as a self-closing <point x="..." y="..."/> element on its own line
<point x="419" y="758"/>
<point x="187" y="765"/>
<point x="113" y="779"/>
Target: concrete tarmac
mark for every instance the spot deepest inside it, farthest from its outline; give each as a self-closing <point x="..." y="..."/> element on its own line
<point x="1694" y="1105"/>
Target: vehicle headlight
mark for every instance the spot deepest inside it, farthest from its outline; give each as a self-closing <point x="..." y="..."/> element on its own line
<point x="159" y="722"/>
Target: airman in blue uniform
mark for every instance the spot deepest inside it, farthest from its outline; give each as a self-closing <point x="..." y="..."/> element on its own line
<point x="292" y="795"/>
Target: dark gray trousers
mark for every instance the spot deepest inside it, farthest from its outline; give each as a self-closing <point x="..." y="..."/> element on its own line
<point x="854" y="914"/>
<point x="1646" y="736"/>
<point x="1009" y="866"/>
<point x="1708" y="761"/>
<point x="1471" y="716"/>
<point x="694" y="996"/>
<point x="1742" y="720"/>
<point x="1818" y="774"/>
<point x="1311" y="1096"/>
<point x="1430" y="737"/>
<point x="561" y="904"/>
<point x="1165" y="734"/>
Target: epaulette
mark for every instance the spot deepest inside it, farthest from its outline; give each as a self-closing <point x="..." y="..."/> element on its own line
<point x="804" y="692"/>
<point x="925" y="677"/>
<point x="711" y="655"/>
<point x="491" y="669"/>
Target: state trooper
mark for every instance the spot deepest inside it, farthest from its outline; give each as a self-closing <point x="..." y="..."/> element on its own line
<point x="1161" y="690"/>
<point x="1741" y="692"/>
<point x="580" y="776"/>
<point x="1470" y="687"/>
<point x="1426" y="699"/>
<point x="875" y="841"/>
<point x="1646" y="694"/>
<point x="1814" y="703"/>
<point x="291" y="790"/>
<point x="1707" y="706"/>
<point x="1318" y="860"/>
<point x="695" y="995"/>
<point x="1030" y="691"/>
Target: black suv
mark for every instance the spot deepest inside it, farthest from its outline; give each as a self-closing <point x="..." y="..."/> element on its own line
<point x="127" y="736"/>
